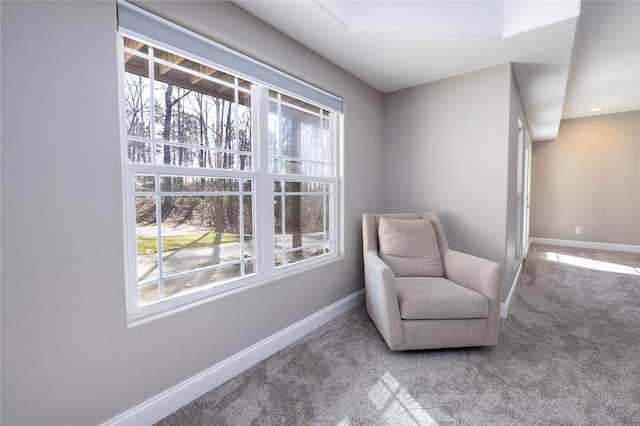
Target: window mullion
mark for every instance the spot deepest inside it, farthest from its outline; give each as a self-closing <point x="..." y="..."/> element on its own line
<point x="283" y="218"/>
<point x="278" y="135"/>
<point x="131" y="240"/>
<point x="129" y="202"/>
<point x="160" y="256"/>
<point x="334" y="129"/>
<point x="241" y="230"/>
<point x="264" y="185"/>
<point x="152" y="106"/>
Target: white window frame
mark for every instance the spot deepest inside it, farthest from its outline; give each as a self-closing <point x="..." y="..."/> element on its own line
<point x="263" y="216"/>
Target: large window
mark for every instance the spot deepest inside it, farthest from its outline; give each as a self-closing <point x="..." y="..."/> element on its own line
<point x="227" y="181"/>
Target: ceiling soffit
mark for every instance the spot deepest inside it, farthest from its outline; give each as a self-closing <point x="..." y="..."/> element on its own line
<point x="402" y="44"/>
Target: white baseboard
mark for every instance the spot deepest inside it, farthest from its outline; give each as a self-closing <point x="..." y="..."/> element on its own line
<point x="586" y="244"/>
<point x="506" y="305"/>
<point x="165" y="403"/>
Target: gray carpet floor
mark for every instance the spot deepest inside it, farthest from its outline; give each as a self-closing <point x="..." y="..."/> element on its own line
<point x="568" y="354"/>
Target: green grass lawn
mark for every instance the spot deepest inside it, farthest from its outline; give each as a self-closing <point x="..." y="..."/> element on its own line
<point x="172" y="242"/>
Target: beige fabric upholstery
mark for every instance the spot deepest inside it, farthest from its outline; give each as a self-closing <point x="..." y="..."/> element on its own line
<point x="409" y="247"/>
<point x="460" y="308"/>
<point x="422" y="298"/>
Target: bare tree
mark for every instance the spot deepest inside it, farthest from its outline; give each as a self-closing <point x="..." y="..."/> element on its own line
<point x="136" y="108"/>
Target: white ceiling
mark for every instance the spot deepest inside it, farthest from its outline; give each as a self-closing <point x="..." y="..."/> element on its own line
<point x="568" y="57"/>
<point x="605" y="68"/>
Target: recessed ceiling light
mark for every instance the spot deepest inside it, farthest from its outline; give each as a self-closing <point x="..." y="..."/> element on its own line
<point x="595" y="109"/>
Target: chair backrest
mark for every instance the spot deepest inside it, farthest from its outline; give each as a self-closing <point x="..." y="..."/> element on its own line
<point x="371" y="221"/>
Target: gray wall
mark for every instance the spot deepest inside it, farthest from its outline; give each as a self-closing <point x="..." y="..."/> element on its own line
<point x="0" y="232"/>
<point x="589" y="177"/>
<point x="450" y="149"/>
<point x="68" y="356"/>
<point x="513" y="226"/>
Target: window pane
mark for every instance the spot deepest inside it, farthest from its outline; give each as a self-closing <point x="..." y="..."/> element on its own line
<point x="249" y="267"/>
<point x="328" y="208"/>
<point x="305" y="220"/>
<point x="137" y="98"/>
<point x="186" y="116"/>
<point x="307" y="252"/>
<point x="301" y="220"/>
<point x="290" y="186"/>
<point x="199" y="231"/>
<point x="148" y="293"/>
<point x="187" y="284"/>
<point x="243" y="127"/>
<point x="146" y="239"/>
<point x="181" y="112"/>
<point x="144" y="183"/>
<point x="201" y="235"/>
<point x="300" y="103"/>
<point x="187" y="156"/>
<point x="136" y="45"/>
<point x="274" y="129"/>
<point x="244" y="84"/>
<point x="198" y="184"/>
<point x="196" y="67"/>
<point x="274" y="165"/>
<point x="139" y="152"/>
<point x="249" y="250"/>
<point x="299" y="140"/>
<point x="246" y="162"/>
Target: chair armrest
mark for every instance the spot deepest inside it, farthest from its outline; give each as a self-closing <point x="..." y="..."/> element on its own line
<point x="481" y="275"/>
<point x="382" y="299"/>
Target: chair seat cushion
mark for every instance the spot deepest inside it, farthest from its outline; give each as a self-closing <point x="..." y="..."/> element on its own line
<point x="432" y="298"/>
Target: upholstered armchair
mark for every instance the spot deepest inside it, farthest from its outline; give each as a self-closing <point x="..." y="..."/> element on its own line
<point x="420" y="294"/>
